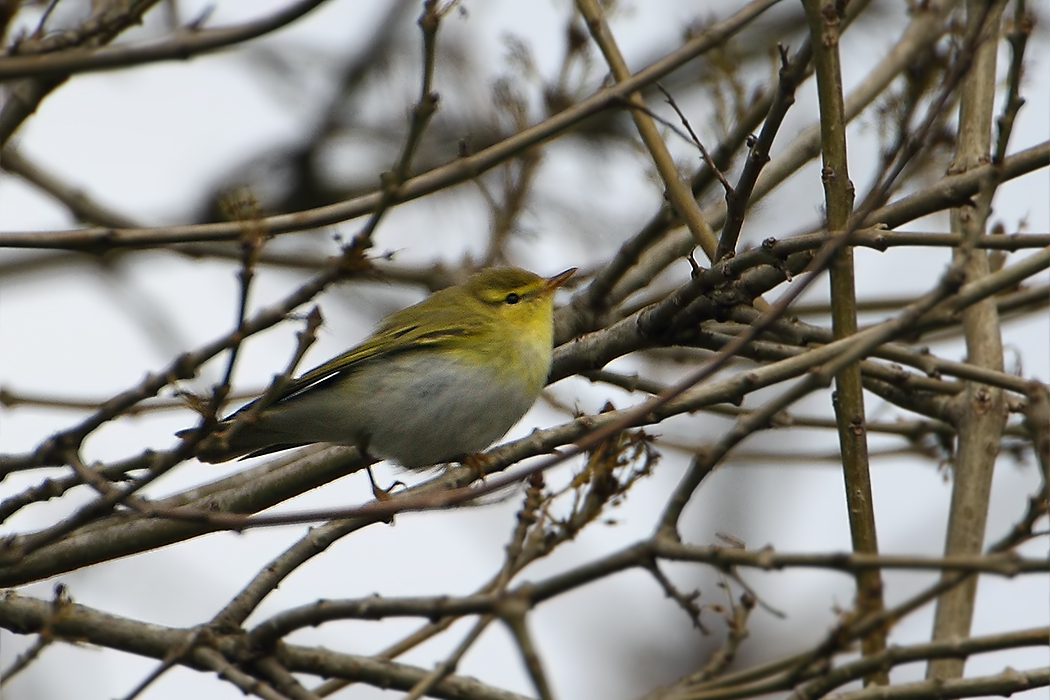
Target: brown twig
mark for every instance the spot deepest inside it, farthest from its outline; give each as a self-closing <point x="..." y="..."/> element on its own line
<point x="737" y="198"/>
<point x="186" y="42"/>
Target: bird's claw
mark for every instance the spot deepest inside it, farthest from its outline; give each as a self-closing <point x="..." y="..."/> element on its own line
<point x="477" y="464"/>
<point x="381" y="494"/>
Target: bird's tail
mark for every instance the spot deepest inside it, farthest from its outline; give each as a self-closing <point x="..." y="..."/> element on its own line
<point x="222" y="446"/>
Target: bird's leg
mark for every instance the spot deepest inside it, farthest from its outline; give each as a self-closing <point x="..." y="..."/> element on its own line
<point x="381" y="494"/>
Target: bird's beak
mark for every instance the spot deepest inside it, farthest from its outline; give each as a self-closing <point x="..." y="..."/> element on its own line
<point x="552" y="283"/>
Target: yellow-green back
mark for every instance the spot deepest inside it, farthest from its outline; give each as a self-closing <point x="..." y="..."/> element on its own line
<point x="501" y="316"/>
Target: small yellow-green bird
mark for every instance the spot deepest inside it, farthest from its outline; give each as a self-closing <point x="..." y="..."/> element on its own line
<point x="435" y="382"/>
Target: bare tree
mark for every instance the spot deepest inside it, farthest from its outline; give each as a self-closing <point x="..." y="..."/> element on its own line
<point x="702" y="185"/>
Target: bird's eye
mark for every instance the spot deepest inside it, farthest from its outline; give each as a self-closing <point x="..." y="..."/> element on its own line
<point x="512" y="298"/>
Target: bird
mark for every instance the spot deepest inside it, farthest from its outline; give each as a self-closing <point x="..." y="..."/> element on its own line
<point x="436" y="382"/>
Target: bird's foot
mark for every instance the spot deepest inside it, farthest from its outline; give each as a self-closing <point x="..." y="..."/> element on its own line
<point x="478" y="466"/>
<point x="381" y="494"/>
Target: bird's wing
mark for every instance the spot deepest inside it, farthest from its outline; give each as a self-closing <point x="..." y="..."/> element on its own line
<point x="400" y="332"/>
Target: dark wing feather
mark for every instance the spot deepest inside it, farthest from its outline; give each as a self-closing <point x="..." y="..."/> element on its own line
<point x="415" y="328"/>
